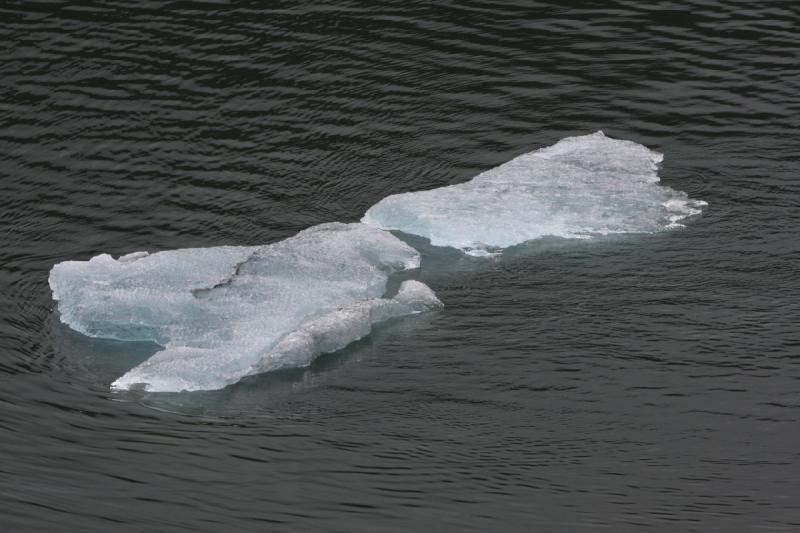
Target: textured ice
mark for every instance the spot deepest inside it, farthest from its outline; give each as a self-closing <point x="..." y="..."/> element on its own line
<point x="226" y="312"/>
<point x="579" y="187"/>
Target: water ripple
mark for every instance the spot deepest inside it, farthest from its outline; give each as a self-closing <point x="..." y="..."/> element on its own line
<point x="641" y="383"/>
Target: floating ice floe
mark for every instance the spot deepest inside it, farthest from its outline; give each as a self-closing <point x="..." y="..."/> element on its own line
<point x="579" y="187"/>
<point x="226" y="312"/>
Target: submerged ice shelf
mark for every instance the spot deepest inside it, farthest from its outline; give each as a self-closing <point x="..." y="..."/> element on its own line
<point x="577" y="188"/>
<point x="226" y="312"/>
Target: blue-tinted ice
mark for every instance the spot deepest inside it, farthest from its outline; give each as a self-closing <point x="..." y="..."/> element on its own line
<point x="577" y="188"/>
<point x="226" y="312"/>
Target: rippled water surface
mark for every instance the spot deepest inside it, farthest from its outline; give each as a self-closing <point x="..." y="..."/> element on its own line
<point x="629" y="384"/>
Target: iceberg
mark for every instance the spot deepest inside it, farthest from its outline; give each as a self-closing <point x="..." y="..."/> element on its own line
<point x="223" y="313"/>
<point x="226" y="312"/>
<point x="578" y="188"/>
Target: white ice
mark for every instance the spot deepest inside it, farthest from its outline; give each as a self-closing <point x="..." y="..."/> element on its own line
<point x="226" y="312"/>
<point x="579" y="187"/>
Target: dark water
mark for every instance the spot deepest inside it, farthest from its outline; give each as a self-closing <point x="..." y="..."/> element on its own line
<point x="644" y="384"/>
